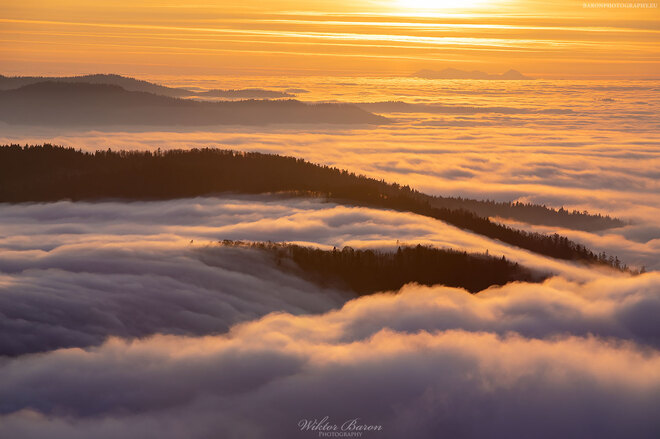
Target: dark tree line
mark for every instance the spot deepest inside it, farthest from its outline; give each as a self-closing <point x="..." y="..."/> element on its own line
<point x="532" y="213"/>
<point x="369" y="271"/>
<point x="49" y="173"/>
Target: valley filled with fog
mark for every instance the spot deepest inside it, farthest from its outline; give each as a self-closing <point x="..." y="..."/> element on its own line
<point x="585" y="145"/>
<point x="128" y="318"/>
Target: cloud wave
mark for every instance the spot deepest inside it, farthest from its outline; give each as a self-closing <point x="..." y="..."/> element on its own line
<point x="391" y="360"/>
<point x="77" y="295"/>
<point x="72" y="274"/>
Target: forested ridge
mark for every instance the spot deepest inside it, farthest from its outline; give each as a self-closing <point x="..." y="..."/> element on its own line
<point x="49" y="173"/>
<point x="531" y="213"/>
<point x="370" y="271"/>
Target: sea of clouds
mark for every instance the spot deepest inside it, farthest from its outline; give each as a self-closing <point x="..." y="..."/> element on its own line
<point x="577" y="144"/>
<point x="520" y="361"/>
<point x="128" y="320"/>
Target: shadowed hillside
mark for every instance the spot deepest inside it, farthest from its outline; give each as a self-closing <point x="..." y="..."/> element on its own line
<point x="369" y="271"/>
<point x="49" y="173"/>
<point x="59" y="103"/>
<point x="132" y="84"/>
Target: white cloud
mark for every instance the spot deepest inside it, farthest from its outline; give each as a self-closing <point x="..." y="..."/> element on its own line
<point x="212" y="342"/>
<point x="75" y="273"/>
<point x="424" y="363"/>
<point x="79" y="294"/>
<point x="557" y="160"/>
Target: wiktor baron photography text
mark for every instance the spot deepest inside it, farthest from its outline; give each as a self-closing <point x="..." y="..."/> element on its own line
<point x="327" y="427"/>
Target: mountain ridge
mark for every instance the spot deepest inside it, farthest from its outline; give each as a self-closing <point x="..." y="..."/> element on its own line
<point x="49" y="173"/>
<point x="134" y="84"/>
<point x="85" y="104"/>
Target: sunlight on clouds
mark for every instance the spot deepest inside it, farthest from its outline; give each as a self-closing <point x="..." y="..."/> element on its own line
<point x="128" y="319"/>
<point x="224" y="37"/>
<point x="579" y="144"/>
<point x="433" y="5"/>
<point x="420" y="362"/>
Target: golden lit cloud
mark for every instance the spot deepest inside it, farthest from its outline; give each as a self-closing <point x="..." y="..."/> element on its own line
<point x="382" y="37"/>
<point x="439" y="5"/>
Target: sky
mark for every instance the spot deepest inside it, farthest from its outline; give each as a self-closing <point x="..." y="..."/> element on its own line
<point x="561" y="39"/>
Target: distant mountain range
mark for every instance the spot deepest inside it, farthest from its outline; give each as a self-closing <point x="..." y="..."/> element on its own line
<point x="93" y="104"/>
<point x="132" y="84"/>
<point x="451" y="73"/>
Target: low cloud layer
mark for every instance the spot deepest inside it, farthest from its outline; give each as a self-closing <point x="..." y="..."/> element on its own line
<point x="593" y="145"/>
<point x="141" y="329"/>
<point x="72" y="274"/>
<point x="603" y="158"/>
<point x="77" y="295"/>
<point x="425" y="363"/>
<point x="124" y="320"/>
<point x="204" y="220"/>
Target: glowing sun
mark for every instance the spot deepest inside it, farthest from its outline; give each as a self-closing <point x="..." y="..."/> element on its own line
<point x="427" y="5"/>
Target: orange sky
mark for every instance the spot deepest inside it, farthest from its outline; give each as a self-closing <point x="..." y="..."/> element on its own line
<point x="356" y="37"/>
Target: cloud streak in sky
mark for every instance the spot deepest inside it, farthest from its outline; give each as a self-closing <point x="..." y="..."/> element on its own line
<point x="320" y="37"/>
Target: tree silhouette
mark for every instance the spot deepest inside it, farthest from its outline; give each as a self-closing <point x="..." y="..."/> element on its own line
<point x="49" y="173"/>
<point x="369" y="271"/>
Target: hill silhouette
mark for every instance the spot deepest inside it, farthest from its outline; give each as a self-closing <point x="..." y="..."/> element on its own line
<point x="132" y="84"/>
<point x="49" y="173"/>
<point x="370" y="271"/>
<point x="61" y="103"/>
